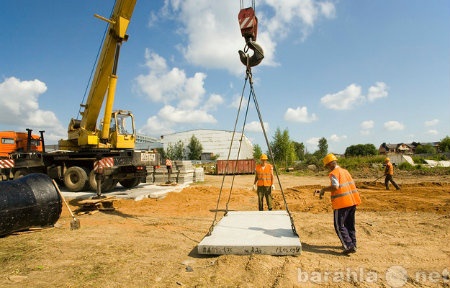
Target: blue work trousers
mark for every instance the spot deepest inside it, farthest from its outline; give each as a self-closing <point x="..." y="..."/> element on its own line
<point x="344" y="224"/>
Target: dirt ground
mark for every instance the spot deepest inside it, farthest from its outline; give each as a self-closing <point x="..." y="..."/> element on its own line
<point x="402" y="235"/>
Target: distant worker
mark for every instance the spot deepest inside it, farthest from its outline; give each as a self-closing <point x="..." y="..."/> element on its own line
<point x="264" y="183"/>
<point x="344" y="199"/>
<point x="389" y="173"/>
<point x="169" y="170"/>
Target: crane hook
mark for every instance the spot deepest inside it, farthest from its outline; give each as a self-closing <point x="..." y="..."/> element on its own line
<point x="256" y="58"/>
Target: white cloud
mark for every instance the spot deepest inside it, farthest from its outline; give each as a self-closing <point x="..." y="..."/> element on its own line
<point x="165" y="85"/>
<point x="237" y="101"/>
<point x="299" y="15"/>
<point x="174" y="115"/>
<point x="343" y="100"/>
<point x="328" y="9"/>
<point x="155" y="126"/>
<point x="169" y="117"/>
<point x="367" y="124"/>
<point x="20" y="107"/>
<point x="213" y="102"/>
<point x="430" y="123"/>
<point x="393" y="126"/>
<point x="312" y="143"/>
<point x="300" y="114"/>
<point x="433" y="132"/>
<point x="366" y="127"/>
<point x="183" y="96"/>
<point x="336" y="138"/>
<point x="212" y="31"/>
<point x="255" y="126"/>
<point x="377" y="91"/>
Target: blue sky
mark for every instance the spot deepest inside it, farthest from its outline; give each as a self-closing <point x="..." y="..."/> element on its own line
<point x="354" y="72"/>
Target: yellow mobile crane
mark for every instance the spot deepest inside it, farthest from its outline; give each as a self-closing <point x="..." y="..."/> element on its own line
<point x="108" y="150"/>
<point x="84" y="133"/>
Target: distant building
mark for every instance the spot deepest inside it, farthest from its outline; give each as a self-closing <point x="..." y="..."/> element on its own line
<point x="215" y="143"/>
<point x="144" y="142"/>
<point x="403" y="148"/>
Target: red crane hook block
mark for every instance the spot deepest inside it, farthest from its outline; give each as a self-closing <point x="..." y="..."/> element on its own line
<point x="248" y="22"/>
<point x="256" y="58"/>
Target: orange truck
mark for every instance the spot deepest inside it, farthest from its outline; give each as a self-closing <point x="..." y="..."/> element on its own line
<point x="20" y="154"/>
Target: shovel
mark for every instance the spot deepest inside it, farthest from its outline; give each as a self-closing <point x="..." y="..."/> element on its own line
<point x="375" y="181"/>
<point x="75" y="223"/>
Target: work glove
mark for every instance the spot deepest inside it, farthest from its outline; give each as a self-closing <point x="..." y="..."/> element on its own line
<point x="273" y="187"/>
<point x="254" y="187"/>
<point x="321" y="193"/>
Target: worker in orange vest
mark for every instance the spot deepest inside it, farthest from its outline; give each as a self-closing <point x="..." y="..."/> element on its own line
<point x="389" y="173"/>
<point x="344" y="199"/>
<point x="264" y="183"/>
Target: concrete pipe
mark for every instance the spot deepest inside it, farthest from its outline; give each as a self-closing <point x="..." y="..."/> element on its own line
<point x="30" y="201"/>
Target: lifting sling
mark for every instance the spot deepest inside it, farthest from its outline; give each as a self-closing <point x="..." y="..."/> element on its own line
<point x="249" y="33"/>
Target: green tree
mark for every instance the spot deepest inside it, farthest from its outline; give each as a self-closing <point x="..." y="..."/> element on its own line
<point x="444" y="145"/>
<point x="257" y="152"/>
<point x="195" y="149"/>
<point x="175" y="152"/>
<point x="282" y="148"/>
<point x="361" y="150"/>
<point x="161" y="152"/>
<point x="323" y="148"/>
<point x="425" y="149"/>
<point x="299" y="149"/>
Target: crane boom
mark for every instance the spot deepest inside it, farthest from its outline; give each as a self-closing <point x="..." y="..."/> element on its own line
<point x="84" y="131"/>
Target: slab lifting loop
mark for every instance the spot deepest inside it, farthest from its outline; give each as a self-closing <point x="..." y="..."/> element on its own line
<point x="248" y="23"/>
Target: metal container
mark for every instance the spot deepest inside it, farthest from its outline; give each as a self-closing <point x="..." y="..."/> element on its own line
<point x="244" y="166"/>
<point x="30" y="201"/>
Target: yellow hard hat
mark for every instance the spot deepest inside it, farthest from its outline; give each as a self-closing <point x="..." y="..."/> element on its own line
<point x="329" y="158"/>
<point x="387" y="159"/>
<point x="263" y="157"/>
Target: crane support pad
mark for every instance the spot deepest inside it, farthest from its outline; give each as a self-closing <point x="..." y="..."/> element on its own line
<point x="252" y="232"/>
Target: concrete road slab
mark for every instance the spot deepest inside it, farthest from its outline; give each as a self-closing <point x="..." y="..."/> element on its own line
<point x="137" y="193"/>
<point x="252" y="232"/>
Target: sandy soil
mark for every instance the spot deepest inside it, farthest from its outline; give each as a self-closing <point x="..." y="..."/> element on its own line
<point x="403" y="241"/>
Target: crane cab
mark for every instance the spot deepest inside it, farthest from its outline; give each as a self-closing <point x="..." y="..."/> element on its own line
<point x="122" y="133"/>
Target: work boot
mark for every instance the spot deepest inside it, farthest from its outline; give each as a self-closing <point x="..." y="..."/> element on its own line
<point x="349" y="251"/>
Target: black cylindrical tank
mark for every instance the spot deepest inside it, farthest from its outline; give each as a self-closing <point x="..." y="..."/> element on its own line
<point x="30" y="201"/>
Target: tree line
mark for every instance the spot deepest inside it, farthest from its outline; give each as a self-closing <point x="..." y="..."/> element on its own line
<point x="286" y="152"/>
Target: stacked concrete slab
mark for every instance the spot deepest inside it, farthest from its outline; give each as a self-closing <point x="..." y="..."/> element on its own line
<point x="199" y="175"/>
<point x="185" y="172"/>
<point x="159" y="175"/>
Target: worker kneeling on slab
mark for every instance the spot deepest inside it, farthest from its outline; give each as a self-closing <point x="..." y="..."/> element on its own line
<point x="344" y="199"/>
<point x="264" y="183"/>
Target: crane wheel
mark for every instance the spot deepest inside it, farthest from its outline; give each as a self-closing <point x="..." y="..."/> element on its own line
<point x="130" y="183"/>
<point x="107" y="184"/>
<point x="19" y="174"/>
<point x="75" y="179"/>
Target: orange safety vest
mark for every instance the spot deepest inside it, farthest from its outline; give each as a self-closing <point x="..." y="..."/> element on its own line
<point x="346" y="195"/>
<point x="264" y="175"/>
<point x="389" y="170"/>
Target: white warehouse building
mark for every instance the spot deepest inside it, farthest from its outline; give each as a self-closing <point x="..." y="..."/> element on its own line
<point x="214" y="142"/>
